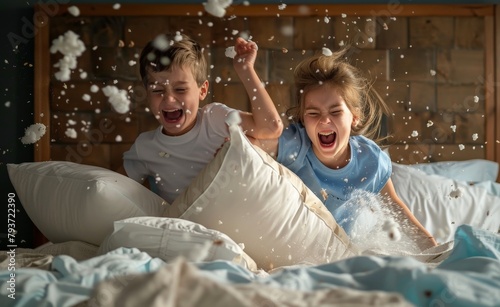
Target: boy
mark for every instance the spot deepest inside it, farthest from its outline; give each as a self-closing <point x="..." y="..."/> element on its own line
<point x="174" y="73"/>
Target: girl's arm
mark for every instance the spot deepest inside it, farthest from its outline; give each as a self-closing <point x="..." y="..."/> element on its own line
<point x="264" y="121"/>
<point x="270" y="146"/>
<point x="391" y="191"/>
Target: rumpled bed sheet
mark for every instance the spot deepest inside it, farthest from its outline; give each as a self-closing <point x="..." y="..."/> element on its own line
<point x="469" y="276"/>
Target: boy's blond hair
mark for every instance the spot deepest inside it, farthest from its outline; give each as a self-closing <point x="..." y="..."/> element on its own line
<point x="168" y="50"/>
<point x="335" y="71"/>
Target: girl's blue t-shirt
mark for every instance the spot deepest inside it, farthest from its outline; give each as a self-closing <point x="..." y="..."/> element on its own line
<point x="369" y="168"/>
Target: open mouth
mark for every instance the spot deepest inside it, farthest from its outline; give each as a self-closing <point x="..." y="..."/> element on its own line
<point x="172" y="116"/>
<point x="327" y="139"/>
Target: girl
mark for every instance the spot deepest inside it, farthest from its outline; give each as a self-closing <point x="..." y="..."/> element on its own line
<point x="329" y="145"/>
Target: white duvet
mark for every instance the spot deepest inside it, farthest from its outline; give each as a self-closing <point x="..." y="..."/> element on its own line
<point x="469" y="276"/>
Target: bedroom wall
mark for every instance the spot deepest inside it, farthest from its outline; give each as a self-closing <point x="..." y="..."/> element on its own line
<point x="429" y="70"/>
<point x="17" y="91"/>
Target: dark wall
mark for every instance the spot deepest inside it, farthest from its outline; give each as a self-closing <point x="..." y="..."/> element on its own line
<point x="16" y="111"/>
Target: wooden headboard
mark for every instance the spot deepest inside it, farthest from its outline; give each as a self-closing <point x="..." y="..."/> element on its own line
<point x="434" y="64"/>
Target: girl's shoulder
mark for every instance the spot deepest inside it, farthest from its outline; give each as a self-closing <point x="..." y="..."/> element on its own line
<point x="294" y="129"/>
<point x="364" y="142"/>
<point x="295" y="135"/>
<point x="293" y="144"/>
<point x="369" y="148"/>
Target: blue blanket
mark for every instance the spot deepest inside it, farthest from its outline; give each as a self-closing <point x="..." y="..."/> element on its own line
<point x="470" y="276"/>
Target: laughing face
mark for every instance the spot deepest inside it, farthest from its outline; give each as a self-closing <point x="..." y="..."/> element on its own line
<point x="328" y="122"/>
<point x="174" y="98"/>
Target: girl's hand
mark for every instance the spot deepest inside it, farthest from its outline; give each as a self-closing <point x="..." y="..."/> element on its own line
<point x="246" y="53"/>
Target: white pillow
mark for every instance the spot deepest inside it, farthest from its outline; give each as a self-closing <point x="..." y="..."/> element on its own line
<point x="75" y="202"/>
<point x="168" y="238"/>
<point x="256" y="201"/>
<point x="442" y="204"/>
<point x="474" y="170"/>
<point x="490" y="186"/>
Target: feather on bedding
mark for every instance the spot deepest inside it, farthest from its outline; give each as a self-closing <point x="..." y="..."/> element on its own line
<point x="469" y="276"/>
<point x="141" y="257"/>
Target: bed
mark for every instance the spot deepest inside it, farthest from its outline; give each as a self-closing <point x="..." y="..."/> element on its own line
<point x="229" y="239"/>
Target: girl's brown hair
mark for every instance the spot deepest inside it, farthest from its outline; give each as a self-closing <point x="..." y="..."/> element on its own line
<point x="168" y="50"/>
<point x="335" y="70"/>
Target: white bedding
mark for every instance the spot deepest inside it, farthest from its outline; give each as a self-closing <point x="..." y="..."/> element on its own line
<point x="183" y="284"/>
<point x="208" y="265"/>
<point x="442" y="204"/>
<point x="468" y="276"/>
<point x="243" y="194"/>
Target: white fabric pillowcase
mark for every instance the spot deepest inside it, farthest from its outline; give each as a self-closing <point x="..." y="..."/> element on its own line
<point x="247" y="195"/>
<point x="482" y="173"/>
<point x="442" y="204"/>
<point x="474" y="170"/>
<point x="169" y="238"/>
<point x="76" y="202"/>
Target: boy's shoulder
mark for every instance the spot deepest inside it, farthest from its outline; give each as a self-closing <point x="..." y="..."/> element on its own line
<point x="147" y="135"/>
<point x="214" y="111"/>
<point x="214" y="105"/>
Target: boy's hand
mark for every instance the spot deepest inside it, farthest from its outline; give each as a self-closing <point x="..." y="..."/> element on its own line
<point x="246" y="53"/>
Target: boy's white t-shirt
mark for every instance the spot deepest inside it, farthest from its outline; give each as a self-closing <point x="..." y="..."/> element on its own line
<point x="172" y="162"/>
